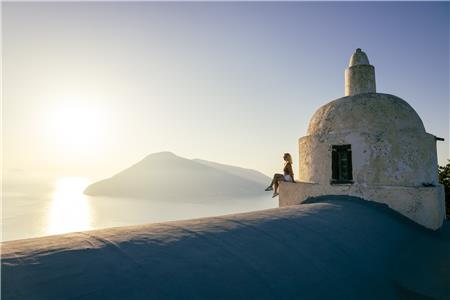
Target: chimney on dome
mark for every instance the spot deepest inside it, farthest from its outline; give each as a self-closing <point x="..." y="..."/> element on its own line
<point x="360" y="75"/>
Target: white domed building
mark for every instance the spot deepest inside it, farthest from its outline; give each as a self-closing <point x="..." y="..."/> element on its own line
<point x="370" y="145"/>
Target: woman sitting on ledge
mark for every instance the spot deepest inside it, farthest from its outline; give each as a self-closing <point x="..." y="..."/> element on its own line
<point x="288" y="175"/>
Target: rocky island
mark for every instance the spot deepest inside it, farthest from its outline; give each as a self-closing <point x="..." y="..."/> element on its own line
<point x="165" y="175"/>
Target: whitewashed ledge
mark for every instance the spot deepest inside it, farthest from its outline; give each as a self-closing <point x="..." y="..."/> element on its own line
<point x="338" y="248"/>
<point x="423" y="205"/>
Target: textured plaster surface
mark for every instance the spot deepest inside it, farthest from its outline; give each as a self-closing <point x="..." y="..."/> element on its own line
<point x="393" y="158"/>
<point x="358" y="58"/>
<point x="401" y="159"/>
<point x="423" y="205"/>
<point x="365" y="113"/>
<point x="388" y="140"/>
<point x="360" y="79"/>
<point x="360" y="75"/>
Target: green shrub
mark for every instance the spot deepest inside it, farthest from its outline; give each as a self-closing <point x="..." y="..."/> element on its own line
<point x="444" y="178"/>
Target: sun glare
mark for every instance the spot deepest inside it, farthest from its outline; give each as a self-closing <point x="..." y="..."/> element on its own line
<point x="77" y="127"/>
<point x="69" y="209"/>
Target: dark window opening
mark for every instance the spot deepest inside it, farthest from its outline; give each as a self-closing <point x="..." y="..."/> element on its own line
<point x="341" y="157"/>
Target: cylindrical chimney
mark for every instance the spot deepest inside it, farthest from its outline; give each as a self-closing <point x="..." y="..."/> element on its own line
<point x="360" y="75"/>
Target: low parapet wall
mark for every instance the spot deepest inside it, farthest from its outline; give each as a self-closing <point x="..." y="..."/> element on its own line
<point x="423" y="205"/>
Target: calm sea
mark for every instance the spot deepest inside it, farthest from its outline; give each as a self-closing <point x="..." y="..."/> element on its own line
<point x="60" y="207"/>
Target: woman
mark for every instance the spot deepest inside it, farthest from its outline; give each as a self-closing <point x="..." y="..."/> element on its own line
<point x="288" y="175"/>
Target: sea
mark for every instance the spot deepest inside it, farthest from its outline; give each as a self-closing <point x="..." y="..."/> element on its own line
<point x="59" y="206"/>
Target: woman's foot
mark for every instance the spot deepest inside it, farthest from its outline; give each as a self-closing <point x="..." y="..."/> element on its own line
<point x="275" y="194"/>
<point x="269" y="188"/>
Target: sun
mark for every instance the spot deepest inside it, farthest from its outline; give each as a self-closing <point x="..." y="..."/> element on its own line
<point x="77" y="126"/>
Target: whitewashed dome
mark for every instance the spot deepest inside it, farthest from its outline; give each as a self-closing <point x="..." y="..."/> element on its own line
<point x="368" y="112"/>
<point x="372" y="145"/>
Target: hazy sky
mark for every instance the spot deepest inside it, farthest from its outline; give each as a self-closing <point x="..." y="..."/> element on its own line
<point x="90" y="88"/>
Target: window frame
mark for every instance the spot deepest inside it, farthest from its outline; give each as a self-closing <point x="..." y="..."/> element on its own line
<point x="341" y="154"/>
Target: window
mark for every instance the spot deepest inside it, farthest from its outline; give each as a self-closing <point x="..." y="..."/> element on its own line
<point x="341" y="157"/>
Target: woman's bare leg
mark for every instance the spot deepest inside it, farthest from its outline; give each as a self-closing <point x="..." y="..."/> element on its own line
<point x="275" y="190"/>
<point x="275" y="179"/>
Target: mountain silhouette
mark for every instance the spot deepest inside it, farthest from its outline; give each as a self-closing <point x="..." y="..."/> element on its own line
<point x="165" y="175"/>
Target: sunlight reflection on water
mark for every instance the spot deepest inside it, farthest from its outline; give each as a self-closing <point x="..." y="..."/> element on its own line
<point x="55" y="207"/>
<point x="69" y="208"/>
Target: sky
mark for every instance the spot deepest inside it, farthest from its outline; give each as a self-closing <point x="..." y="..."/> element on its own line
<point x="90" y="88"/>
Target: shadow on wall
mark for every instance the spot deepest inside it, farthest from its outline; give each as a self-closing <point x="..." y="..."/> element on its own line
<point x="380" y="207"/>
